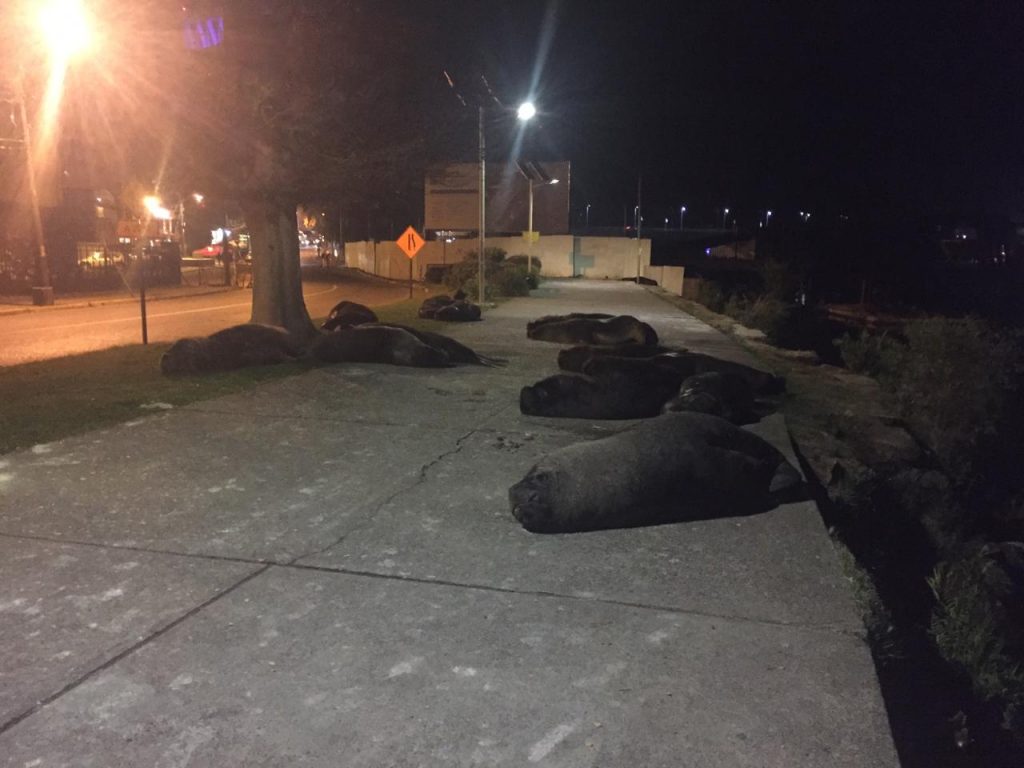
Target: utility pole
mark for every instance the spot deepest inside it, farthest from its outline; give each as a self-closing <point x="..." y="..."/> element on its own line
<point x="639" y="221"/>
<point x="483" y="209"/>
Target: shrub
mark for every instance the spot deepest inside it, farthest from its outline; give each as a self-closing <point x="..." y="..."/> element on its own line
<point x="510" y="280"/>
<point x="957" y="383"/>
<point x="711" y="296"/>
<point x="769" y="315"/>
<point x="969" y="626"/>
<point x="502" y="277"/>
<point x="876" y="355"/>
<point x="533" y="276"/>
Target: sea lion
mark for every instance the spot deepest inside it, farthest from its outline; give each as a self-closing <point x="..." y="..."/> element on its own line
<point x="719" y="393"/>
<point x="456" y="352"/>
<point x="239" y="346"/>
<point x="460" y="311"/>
<point x="455" y="308"/>
<point x="346" y="314"/>
<point x="377" y="344"/>
<point x="573" y="358"/>
<point x="679" y="466"/>
<point x="548" y="319"/>
<point x="622" y="329"/>
<point x="611" y="396"/>
<point x="687" y="364"/>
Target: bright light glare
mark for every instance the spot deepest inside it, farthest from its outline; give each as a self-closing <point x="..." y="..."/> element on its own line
<point x="65" y="27"/>
<point x="526" y="110"/>
<point x="156" y="208"/>
<point x="553" y="181"/>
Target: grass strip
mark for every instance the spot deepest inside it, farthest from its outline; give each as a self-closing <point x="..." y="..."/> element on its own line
<point x="47" y="400"/>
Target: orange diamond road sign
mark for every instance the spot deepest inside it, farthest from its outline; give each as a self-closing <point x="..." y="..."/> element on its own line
<point x="410" y="242"/>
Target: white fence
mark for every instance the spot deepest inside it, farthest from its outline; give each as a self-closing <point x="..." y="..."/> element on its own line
<point x="599" y="258"/>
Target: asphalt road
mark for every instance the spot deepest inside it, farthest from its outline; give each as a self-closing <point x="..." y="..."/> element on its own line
<point x="56" y="332"/>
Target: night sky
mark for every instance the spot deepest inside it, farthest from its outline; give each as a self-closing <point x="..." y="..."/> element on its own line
<point x="860" y="107"/>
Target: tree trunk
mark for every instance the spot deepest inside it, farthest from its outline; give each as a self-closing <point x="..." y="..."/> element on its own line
<point x="276" y="276"/>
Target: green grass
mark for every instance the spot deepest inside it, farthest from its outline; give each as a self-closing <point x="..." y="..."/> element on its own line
<point x="47" y="400"/>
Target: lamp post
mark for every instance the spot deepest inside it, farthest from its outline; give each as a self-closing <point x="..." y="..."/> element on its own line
<point x="483" y="209"/>
<point x="682" y="212"/>
<point x="587" y="224"/>
<point x="65" y="29"/>
<point x="725" y="213"/>
<point x="529" y="223"/>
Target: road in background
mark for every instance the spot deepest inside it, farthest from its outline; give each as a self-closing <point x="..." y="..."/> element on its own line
<point x="56" y="332"/>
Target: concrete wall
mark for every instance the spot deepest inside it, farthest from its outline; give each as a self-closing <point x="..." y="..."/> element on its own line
<point x="598" y="258"/>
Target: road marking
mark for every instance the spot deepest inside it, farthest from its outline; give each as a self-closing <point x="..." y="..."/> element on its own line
<point x="152" y="315"/>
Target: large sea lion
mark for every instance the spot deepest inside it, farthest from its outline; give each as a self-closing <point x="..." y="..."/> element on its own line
<point x="377" y="344"/>
<point x="574" y="358"/>
<point x="613" y="396"/>
<point x="719" y="393"/>
<point x="346" y="314"/>
<point x="548" y="319"/>
<point x="456" y="352"/>
<point x="454" y="308"/>
<point x="679" y="466"/>
<point x="687" y="364"/>
<point x="622" y="329"/>
<point x="239" y="346"/>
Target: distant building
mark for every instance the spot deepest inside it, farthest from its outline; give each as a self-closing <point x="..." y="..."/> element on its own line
<point x="451" y="198"/>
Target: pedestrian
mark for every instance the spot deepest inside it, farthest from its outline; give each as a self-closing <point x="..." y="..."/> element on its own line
<point x="228" y="258"/>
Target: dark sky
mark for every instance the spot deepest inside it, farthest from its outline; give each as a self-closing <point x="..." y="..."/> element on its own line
<point x="832" y="107"/>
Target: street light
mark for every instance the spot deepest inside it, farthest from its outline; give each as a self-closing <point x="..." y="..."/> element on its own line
<point x="588" y="217"/>
<point x="682" y="212"/>
<point x="725" y="213"/>
<point x="65" y="29"/>
<point x="530" y="171"/>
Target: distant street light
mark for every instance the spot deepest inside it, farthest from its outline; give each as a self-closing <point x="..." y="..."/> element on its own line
<point x="725" y="213"/>
<point x="666" y="222"/>
<point x="526" y="111"/>
<point x="588" y="216"/>
<point x="682" y="212"/>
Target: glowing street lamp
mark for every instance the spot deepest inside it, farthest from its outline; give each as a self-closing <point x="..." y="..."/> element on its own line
<point x="527" y="111"/>
<point x="682" y="212"/>
<point x="66" y="28"/>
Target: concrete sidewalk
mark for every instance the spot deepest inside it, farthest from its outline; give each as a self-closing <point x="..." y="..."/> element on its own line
<point x="324" y="572"/>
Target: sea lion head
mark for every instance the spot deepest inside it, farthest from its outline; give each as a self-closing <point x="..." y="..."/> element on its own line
<point x="182" y="357"/>
<point x="531" y="499"/>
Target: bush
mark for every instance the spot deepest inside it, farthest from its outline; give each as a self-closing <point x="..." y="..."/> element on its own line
<point x="876" y="355"/>
<point x="711" y="296"/>
<point x="502" y="277"/>
<point x="957" y="383"/>
<point x="969" y="626"/>
<point x="533" y="276"/>
<point x="510" y="280"/>
<point x="769" y="315"/>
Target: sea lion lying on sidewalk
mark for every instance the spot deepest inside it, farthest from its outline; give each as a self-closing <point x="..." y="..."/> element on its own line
<point x="347" y="314"/>
<point x="622" y="329"/>
<point x="718" y="393"/>
<point x="679" y="466"/>
<point x="613" y="396"/>
<point x="548" y="319"/>
<point x="574" y="358"/>
<point x="239" y="346"/>
<point x="457" y="352"/>
<point x="686" y="364"/>
<point x="377" y="344"/>
<point x="449" y="308"/>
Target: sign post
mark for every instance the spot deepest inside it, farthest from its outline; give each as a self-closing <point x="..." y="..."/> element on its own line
<point x="410" y="242"/>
